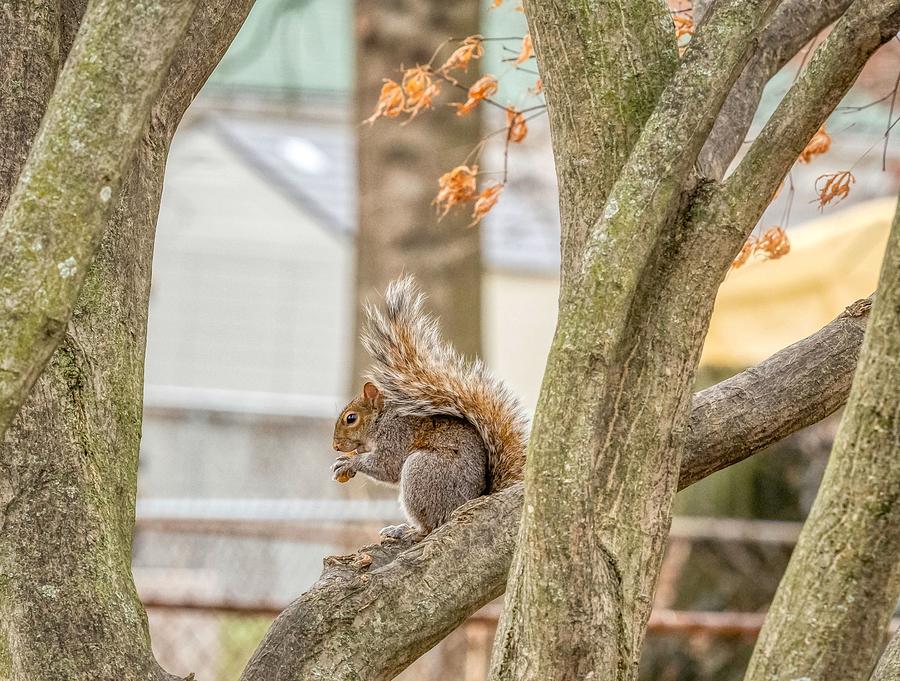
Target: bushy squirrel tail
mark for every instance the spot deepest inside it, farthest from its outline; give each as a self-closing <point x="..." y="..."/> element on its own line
<point x="422" y="375"/>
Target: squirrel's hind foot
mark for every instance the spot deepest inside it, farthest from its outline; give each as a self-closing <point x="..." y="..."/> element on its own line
<point x="402" y="532"/>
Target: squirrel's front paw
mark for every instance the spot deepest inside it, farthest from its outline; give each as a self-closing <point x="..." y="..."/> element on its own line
<point x="343" y="468"/>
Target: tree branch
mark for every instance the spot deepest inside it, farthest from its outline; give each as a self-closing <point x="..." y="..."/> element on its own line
<point x="68" y="463"/>
<point x="364" y="621"/>
<point x="52" y="225"/>
<point x="604" y="365"/>
<point x="731" y="210"/>
<point x="609" y="82"/>
<point x="794" y="24"/>
<point x="29" y="61"/>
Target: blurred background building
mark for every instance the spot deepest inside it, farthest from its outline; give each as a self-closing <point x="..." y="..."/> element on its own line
<point x="251" y="339"/>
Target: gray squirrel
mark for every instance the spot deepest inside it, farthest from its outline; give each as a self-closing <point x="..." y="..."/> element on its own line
<point x="444" y="429"/>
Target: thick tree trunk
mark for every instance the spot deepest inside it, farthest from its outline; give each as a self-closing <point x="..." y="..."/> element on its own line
<point x="366" y="620"/>
<point x="337" y="630"/>
<point x="842" y="583"/>
<point x="606" y="444"/>
<point x="53" y="221"/>
<point x="643" y="251"/>
<point x="801" y="384"/>
<point x="68" y="464"/>
<point x="398" y="169"/>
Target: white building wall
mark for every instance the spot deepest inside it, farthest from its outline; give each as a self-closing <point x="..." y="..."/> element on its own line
<point x="249" y="293"/>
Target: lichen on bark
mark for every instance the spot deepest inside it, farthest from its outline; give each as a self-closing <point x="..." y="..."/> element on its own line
<point x="617" y="383"/>
<point x="55" y="216"/>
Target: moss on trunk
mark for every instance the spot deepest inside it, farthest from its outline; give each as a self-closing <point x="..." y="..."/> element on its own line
<point x="605" y="450"/>
<point x="64" y="195"/>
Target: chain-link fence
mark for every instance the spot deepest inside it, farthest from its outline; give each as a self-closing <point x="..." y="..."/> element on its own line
<point x="213" y="584"/>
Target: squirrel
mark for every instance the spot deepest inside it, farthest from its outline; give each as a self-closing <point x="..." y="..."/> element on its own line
<point x="444" y="429"/>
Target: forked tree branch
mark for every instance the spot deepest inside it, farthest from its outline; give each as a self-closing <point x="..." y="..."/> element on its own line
<point x="604" y="370"/>
<point x="794" y="24"/>
<point x="373" y="613"/>
<point x="840" y="587"/>
<point x="796" y="387"/>
<point x="732" y="209"/>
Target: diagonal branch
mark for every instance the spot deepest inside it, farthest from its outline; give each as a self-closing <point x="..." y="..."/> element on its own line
<point x="609" y="81"/>
<point x="365" y="620"/>
<point x="794" y="388"/>
<point x="732" y="209"/>
<point x="793" y="25"/>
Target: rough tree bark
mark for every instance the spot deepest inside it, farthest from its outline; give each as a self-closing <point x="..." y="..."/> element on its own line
<point x="888" y="668"/>
<point x="844" y="54"/>
<point x="93" y="121"/>
<point x="68" y="463"/>
<point x="338" y="629"/>
<point x="842" y="583"/>
<point x="398" y="166"/>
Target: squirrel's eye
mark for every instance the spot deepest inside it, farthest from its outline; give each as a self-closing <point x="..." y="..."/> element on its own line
<point x="351" y="417"/>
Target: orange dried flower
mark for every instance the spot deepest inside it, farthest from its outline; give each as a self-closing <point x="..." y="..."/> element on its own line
<point x="745" y="253"/>
<point x="517" y="128"/>
<point x="455" y="186"/>
<point x="684" y="26"/>
<point x="483" y="88"/>
<point x="496" y="3"/>
<point x="420" y="89"/>
<point x="819" y="144"/>
<point x="773" y="244"/>
<point x="538" y="87"/>
<point x="831" y="186"/>
<point x="526" y="51"/>
<point x="487" y="199"/>
<point x="471" y="48"/>
<point x="391" y="101"/>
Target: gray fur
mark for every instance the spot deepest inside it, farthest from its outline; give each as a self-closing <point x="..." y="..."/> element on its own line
<point x="444" y="429"/>
<point x="440" y="462"/>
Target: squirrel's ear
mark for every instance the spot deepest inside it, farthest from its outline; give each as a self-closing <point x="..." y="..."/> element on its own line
<point x="373" y="394"/>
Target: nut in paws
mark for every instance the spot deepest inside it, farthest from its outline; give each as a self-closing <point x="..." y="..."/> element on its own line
<point x="343" y="469"/>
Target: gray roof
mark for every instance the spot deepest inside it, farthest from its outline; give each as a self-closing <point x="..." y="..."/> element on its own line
<point x="313" y="163"/>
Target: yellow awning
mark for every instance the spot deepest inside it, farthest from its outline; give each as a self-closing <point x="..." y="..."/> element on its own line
<point x="766" y="305"/>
